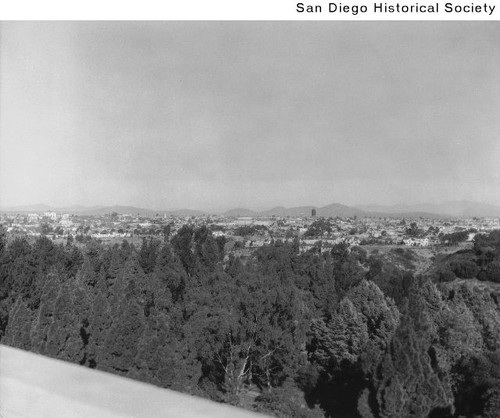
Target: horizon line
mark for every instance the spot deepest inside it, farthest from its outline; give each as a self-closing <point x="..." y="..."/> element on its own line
<point x="359" y="206"/>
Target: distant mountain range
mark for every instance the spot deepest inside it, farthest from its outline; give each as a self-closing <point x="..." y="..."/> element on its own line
<point x="459" y="209"/>
<point x="333" y="210"/>
<point x="100" y="210"/>
<point x="452" y="209"/>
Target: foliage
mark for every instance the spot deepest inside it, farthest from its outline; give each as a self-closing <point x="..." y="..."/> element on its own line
<point x="414" y="230"/>
<point x="318" y="228"/>
<point x="492" y="271"/>
<point x="464" y="269"/>
<point x="454" y="238"/>
<point x="338" y="333"/>
<point x="247" y="230"/>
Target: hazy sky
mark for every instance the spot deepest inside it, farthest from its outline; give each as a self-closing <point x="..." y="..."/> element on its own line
<point x="213" y="115"/>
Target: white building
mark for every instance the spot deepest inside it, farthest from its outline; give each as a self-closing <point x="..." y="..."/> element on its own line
<point x="51" y="215"/>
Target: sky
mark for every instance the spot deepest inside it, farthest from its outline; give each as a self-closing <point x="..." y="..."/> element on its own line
<point x="217" y="115"/>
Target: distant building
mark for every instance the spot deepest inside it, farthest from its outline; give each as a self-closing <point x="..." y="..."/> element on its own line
<point x="416" y="242"/>
<point x="471" y="236"/>
<point x="66" y="223"/>
<point x="33" y="217"/>
<point x="313" y="212"/>
<point x="51" y="215"/>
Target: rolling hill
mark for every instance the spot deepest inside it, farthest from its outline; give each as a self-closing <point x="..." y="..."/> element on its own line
<point x="458" y="209"/>
<point x="452" y="209"/>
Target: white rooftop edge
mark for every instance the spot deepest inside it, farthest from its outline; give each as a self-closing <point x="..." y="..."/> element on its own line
<point x="32" y="385"/>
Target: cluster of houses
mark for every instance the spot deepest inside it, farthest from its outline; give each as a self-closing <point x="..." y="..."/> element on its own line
<point x="248" y="232"/>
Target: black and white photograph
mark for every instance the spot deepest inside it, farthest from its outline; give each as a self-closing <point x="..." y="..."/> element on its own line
<point x="228" y="218"/>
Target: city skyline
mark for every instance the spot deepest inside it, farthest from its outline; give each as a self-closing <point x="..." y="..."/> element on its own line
<point x="213" y="115"/>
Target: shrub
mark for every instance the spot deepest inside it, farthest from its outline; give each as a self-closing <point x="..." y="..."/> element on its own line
<point x="465" y="269"/>
<point x="493" y="272"/>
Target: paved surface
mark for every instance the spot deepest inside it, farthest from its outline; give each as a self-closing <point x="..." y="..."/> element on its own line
<point x="35" y="386"/>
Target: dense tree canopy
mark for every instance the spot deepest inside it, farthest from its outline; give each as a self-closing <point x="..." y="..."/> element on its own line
<point x="338" y="333"/>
